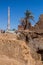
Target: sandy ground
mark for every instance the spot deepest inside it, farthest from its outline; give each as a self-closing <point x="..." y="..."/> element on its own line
<point x="14" y="52"/>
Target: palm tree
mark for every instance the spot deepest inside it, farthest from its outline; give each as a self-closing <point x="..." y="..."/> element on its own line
<point x="25" y="22"/>
<point x="28" y="16"/>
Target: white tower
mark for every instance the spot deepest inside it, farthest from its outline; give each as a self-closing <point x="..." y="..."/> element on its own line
<point x="8" y="26"/>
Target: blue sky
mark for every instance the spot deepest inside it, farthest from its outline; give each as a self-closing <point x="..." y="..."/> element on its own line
<point x="18" y="7"/>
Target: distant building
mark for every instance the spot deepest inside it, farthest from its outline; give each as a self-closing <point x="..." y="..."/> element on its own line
<point x="10" y="31"/>
<point x="2" y="31"/>
<point x="20" y="27"/>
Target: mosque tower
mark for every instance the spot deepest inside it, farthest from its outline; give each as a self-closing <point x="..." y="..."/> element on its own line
<point x="8" y="25"/>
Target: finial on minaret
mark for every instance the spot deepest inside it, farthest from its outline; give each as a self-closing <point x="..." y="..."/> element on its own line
<point x="8" y="26"/>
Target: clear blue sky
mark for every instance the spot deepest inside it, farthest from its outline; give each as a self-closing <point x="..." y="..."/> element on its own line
<point x="18" y="7"/>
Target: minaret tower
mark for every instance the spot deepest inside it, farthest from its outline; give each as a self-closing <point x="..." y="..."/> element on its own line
<point x="8" y="26"/>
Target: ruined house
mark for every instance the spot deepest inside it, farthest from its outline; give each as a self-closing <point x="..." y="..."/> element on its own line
<point x="39" y="24"/>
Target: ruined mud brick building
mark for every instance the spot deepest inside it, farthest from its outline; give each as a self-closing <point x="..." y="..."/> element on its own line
<point x="40" y="22"/>
<point x="29" y="26"/>
<point x="38" y="26"/>
<point x="20" y="27"/>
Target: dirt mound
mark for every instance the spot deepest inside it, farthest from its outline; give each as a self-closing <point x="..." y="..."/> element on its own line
<point x="4" y="60"/>
<point x="15" y="52"/>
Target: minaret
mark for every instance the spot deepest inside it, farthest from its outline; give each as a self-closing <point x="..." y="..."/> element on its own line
<point x="8" y="26"/>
